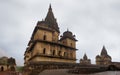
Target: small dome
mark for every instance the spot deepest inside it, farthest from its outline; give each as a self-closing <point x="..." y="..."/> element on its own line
<point x="97" y="56"/>
<point x="11" y="61"/>
<point x="81" y="59"/>
<point x="67" y="33"/>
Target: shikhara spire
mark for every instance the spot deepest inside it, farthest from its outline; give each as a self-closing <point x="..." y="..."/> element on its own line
<point x="85" y="57"/>
<point x="50" y="19"/>
<point x="104" y="51"/>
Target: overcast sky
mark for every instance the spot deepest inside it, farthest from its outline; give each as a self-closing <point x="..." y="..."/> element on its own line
<point x="94" y="22"/>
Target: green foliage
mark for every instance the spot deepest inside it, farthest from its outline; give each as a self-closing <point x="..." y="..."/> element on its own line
<point x="19" y="68"/>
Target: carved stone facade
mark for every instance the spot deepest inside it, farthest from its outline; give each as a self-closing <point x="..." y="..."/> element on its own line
<point x="85" y="60"/>
<point x="45" y="45"/>
<point x="103" y="58"/>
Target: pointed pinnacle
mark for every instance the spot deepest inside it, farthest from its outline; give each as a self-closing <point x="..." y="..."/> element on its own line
<point x="67" y="29"/>
<point x="50" y="8"/>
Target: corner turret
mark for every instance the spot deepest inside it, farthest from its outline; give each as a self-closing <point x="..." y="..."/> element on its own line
<point x="68" y="39"/>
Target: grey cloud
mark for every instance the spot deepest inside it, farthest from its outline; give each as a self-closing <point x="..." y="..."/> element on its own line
<point x="3" y="53"/>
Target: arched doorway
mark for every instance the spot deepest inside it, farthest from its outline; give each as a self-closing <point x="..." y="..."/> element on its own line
<point x="2" y="68"/>
<point x="112" y="68"/>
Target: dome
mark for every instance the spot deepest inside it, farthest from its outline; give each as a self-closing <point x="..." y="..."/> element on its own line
<point x="81" y="59"/>
<point x="68" y="34"/>
<point x="98" y="56"/>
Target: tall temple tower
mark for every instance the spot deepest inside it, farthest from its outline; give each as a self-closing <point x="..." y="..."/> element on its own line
<point x="85" y="60"/>
<point x="46" y="46"/>
<point x="103" y="58"/>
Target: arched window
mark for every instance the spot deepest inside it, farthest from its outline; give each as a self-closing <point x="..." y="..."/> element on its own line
<point x="44" y="37"/>
<point x="44" y="50"/>
<point x="65" y="54"/>
<point x="53" y="52"/>
<point x="2" y="68"/>
<point x="71" y="44"/>
<point x="59" y="53"/>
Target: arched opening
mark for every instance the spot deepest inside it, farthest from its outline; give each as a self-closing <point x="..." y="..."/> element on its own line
<point x="44" y="37"/>
<point x="44" y="50"/>
<point x="65" y="54"/>
<point x="53" y="52"/>
<point x="112" y="68"/>
<point x="2" y="68"/>
<point x="59" y="53"/>
<point x="71" y="44"/>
